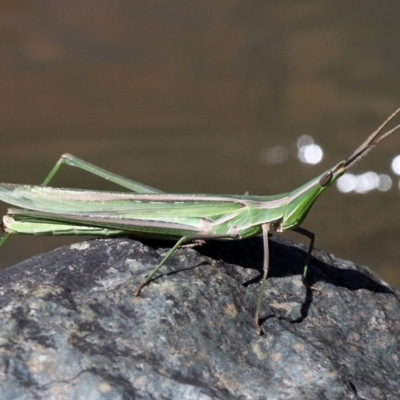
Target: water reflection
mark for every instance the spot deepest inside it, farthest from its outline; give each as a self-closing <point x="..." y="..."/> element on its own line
<point x="364" y="183"/>
<point x="310" y="153"/>
<point x="307" y="152"/>
<point x="274" y="155"/>
<point x="396" y="165"/>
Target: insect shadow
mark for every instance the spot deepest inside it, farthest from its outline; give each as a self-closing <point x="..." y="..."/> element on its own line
<point x="286" y="259"/>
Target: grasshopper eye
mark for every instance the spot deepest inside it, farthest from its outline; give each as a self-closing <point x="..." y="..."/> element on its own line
<point x="326" y="178"/>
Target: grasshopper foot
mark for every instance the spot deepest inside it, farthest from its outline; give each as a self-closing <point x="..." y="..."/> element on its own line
<point x="139" y="289"/>
<point x="258" y="326"/>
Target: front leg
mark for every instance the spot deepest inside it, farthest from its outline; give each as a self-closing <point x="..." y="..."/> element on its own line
<point x="311" y="236"/>
<point x="265" y="228"/>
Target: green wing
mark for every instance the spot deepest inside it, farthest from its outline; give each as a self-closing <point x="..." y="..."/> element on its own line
<point x="155" y="214"/>
<point x="125" y="205"/>
<point x="117" y="210"/>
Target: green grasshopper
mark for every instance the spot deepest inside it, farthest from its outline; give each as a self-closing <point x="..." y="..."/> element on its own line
<point x="150" y="213"/>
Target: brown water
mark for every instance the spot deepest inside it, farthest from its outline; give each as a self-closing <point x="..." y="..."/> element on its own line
<point x="185" y="96"/>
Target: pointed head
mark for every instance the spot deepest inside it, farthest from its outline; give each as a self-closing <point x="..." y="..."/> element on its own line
<point x="302" y="199"/>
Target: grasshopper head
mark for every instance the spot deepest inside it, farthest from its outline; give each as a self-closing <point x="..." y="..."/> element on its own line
<point x="302" y="199"/>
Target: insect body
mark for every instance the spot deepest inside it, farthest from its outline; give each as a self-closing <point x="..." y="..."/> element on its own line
<point x="148" y="212"/>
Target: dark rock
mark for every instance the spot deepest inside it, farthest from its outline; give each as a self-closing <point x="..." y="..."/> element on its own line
<point x="71" y="327"/>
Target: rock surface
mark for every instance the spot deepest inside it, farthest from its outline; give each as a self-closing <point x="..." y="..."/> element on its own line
<point x="72" y="329"/>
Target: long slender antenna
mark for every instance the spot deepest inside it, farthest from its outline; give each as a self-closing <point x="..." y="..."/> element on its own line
<point x="371" y="141"/>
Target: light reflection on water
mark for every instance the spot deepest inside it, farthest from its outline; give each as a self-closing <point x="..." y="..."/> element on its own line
<point x="312" y="154"/>
<point x="307" y="152"/>
<point x="364" y="183"/>
<point x="396" y="165"/>
<point x="274" y="155"/>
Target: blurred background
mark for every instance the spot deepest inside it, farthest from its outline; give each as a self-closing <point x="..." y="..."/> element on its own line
<point x="209" y="97"/>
